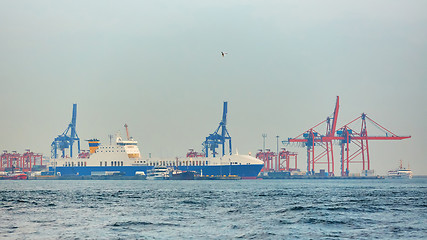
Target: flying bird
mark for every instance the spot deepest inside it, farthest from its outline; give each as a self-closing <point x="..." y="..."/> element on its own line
<point x="223" y="54"/>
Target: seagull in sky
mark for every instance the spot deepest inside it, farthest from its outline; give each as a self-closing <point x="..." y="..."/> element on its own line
<point x="223" y="54"/>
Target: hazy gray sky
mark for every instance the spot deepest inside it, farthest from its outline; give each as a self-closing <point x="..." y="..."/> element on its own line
<point x="156" y="65"/>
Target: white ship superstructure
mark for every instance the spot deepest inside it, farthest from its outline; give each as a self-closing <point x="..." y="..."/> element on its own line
<point x="401" y="172"/>
<point x="122" y="153"/>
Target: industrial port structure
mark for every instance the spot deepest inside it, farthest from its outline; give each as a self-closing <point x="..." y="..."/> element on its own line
<point x="25" y="162"/>
<point x="352" y="139"/>
<point x="217" y="138"/>
<point x="278" y="162"/>
<point x="67" y="138"/>
<point x="30" y="161"/>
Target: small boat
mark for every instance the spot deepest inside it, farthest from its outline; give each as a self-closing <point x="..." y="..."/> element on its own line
<point x="401" y="172"/>
<point x="140" y="175"/>
<point x="13" y="176"/>
<point x="158" y="173"/>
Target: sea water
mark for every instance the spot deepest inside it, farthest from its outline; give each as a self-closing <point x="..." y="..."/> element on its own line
<point x="242" y="209"/>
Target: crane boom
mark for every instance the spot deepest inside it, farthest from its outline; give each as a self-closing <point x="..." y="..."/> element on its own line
<point x="334" y="123"/>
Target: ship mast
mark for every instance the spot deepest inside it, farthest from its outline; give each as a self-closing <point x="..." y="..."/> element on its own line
<point x="127" y="132"/>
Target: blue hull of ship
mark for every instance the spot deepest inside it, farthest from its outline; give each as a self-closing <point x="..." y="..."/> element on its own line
<point x="244" y="171"/>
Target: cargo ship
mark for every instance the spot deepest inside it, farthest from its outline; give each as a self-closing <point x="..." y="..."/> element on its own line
<point x="124" y="157"/>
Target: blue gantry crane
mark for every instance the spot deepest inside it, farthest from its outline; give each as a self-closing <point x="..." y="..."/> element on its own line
<point x="64" y="140"/>
<point x="219" y="137"/>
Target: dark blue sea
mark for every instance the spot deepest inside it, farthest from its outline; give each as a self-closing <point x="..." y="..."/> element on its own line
<point x="242" y="209"/>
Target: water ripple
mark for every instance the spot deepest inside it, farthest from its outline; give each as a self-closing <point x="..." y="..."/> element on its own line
<point x="297" y="209"/>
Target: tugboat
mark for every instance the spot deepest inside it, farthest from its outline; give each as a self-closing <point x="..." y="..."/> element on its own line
<point x="13" y="176"/>
<point x="182" y="175"/>
<point x="401" y="172"/>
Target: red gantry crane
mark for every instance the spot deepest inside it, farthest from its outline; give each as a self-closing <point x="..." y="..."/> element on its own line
<point x="351" y="139"/>
<point x="285" y="159"/>
<point x="348" y="138"/>
<point x="17" y="161"/>
<point x="312" y="139"/>
<point x="268" y="157"/>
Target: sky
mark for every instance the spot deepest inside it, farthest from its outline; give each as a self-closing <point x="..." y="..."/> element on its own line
<point x="157" y="66"/>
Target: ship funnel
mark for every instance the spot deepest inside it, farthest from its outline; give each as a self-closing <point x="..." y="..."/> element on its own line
<point x="93" y="145"/>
